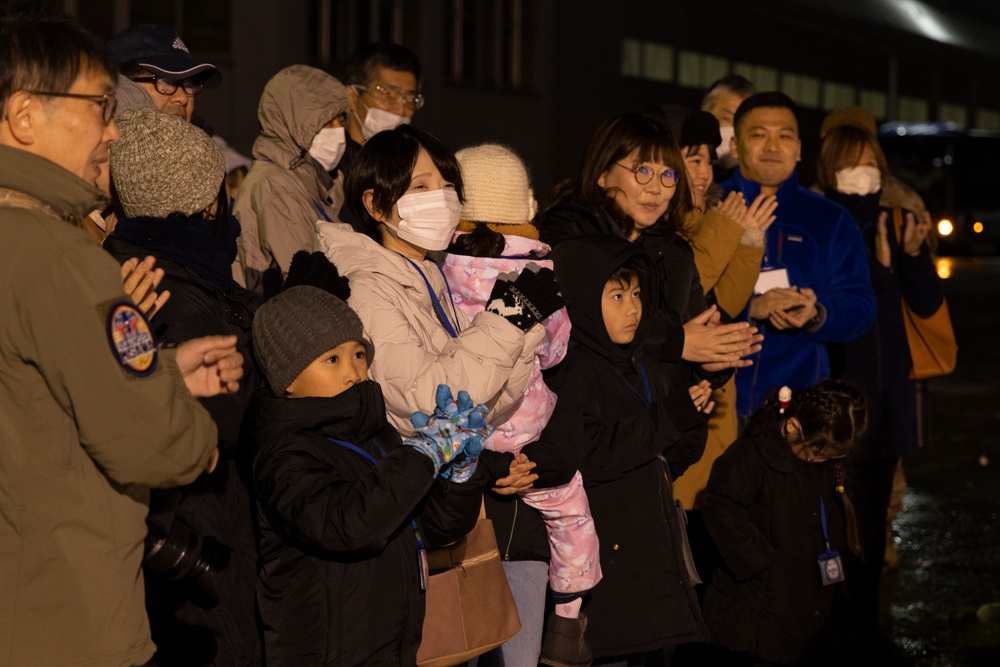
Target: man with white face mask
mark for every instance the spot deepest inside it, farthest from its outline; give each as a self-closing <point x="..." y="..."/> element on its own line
<point x="722" y="100"/>
<point x="383" y="86"/>
<point x="302" y="115"/>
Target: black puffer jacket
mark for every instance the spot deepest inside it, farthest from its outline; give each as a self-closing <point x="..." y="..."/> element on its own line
<point x="762" y="508"/>
<point x="339" y="582"/>
<point x="196" y="256"/>
<point x="625" y="447"/>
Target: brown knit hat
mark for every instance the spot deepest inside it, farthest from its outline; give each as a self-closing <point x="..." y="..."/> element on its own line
<point x="856" y="116"/>
<point x="291" y="330"/>
<point x="163" y="164"/>
<point x="496" y="186"/>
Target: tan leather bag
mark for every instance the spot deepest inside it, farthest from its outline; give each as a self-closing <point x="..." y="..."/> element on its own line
<point x="933" y="347"/>
<point x="470" y="609"/>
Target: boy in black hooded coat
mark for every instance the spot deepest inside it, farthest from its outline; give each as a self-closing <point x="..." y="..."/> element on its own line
<point x="342" y="502"/>
<point x="630" y="438"/>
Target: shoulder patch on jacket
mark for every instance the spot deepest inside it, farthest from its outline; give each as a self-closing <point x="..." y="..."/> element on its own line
<point x="131" y="338"/>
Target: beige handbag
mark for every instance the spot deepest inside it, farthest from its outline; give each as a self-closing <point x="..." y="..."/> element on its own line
<point x="470" y="609"/>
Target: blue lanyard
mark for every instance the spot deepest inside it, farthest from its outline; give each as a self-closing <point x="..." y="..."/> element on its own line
<point x="437" y="302"/>
<point x="357" y="450"/>
<point x="822" y="520"/>
<point x="648" y="398"/>
<point x="320" y="210"/>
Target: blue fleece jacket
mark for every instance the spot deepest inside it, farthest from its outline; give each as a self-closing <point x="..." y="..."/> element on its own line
<point x="819" y="243"/>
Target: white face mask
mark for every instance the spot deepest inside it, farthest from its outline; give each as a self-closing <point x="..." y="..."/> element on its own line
<point x="859" y="180"/>
<point x="377" y="120"/>
<point x="428" y="219"/>
<point x="328" y="146"/>
<point x="727" y="134"/>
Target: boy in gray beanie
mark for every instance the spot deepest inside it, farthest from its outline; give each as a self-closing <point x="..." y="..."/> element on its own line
<point x="346" y="509"/>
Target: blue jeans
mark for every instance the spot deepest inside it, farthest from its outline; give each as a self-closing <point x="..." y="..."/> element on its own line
<point x="529" y="581"/>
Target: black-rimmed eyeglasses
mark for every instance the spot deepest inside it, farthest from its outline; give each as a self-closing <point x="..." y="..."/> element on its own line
<point x="191" y="85"/>
<point x="107" y="101"/>
<point x="643" y="175"/>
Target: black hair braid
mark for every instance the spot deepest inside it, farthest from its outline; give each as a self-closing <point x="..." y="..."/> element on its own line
<point x="850" y="518"/>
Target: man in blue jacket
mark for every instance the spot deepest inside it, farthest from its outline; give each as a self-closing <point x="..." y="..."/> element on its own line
<point x="814" y="286"/>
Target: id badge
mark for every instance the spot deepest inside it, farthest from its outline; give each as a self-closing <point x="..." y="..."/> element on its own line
<point x="831" y="569"/>
<point x="771" y="278"/>
<point x="422" y="567"/>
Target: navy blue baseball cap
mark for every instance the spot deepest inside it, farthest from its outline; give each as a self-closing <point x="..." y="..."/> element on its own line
<point x="162" y="52"/>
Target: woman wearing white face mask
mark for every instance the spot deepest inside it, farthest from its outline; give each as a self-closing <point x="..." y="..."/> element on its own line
<point x="302" y="114"/>
<point x="852" y="169"/>
<point x="407" y="188"/>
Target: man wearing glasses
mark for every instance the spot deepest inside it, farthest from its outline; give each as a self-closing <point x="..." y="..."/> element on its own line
<point x="92" y="412"/>
<point x="383" y="90"/>
<point x="159" y="61"/>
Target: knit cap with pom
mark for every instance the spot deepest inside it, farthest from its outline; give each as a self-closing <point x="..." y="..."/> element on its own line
<point x="291" y="330"/>
<point x="496" y="186"/>
<point x="163" y="164"/>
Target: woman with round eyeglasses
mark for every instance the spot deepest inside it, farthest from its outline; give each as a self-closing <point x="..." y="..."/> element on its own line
<point x="630" y="185"/>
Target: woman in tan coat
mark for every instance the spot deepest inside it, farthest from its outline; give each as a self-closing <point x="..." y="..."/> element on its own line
<point x="727" y="239"/>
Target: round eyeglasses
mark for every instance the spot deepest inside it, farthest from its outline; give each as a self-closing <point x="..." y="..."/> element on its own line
<point x="392" y="95"/>
<point x="107" y="101"/>
<point x="191" y="85"/>
<point x="643" y="175"/>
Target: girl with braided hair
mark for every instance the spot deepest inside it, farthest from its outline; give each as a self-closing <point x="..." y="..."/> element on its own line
<point x="776" y="508"/>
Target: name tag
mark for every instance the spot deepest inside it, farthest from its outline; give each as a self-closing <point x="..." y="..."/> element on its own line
<point x="770" y="279"/>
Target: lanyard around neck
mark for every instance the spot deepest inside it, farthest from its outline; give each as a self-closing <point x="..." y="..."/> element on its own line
<point x="357" y="450"/>
<point x="320" y="210"/>
<point x="437" y="302"/>
<point x="822" y="520"/>
<point x="648" y="398"/>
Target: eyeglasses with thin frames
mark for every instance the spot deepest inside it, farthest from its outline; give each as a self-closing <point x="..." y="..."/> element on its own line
<point x="643" y="175"/>
<point x="107" y="101"/>
<point x="391" y="94"/>
<point x="191" y="85"/>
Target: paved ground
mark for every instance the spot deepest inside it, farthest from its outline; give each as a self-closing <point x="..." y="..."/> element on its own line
<point x="947" y="599"/>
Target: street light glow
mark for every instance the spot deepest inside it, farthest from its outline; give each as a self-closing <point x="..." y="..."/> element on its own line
<point x="945" y="228"/>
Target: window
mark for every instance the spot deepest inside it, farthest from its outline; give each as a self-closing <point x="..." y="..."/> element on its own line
<point x="838" y="95"/>
<point x="803" y="89"/>
<point x="699" y="70"/>
<point x="988" y="119"/>
<point x="874" y="101"/>
<point x="953" y="113"/>
<point x="764" y="78"/>
<point x="913" y="109"/>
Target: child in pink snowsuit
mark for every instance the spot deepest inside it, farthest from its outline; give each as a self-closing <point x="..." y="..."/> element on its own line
<point x="574" y="565"/>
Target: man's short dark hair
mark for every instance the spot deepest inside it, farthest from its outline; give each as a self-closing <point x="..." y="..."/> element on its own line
<point x="731" y="83"/>
<point x="771" y="100"/>
<point x="47" y="54"/>
<point x="362" y="64"/>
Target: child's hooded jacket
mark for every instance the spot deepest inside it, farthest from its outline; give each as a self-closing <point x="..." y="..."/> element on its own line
<point x="338" y="581"/>
<point x="624" y="447"/>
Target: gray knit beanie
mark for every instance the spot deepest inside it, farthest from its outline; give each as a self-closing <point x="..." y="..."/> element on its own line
<point x="496" y="186"/>
<point x="291" y="330"/>
<point x="131" y="96"/>
<point x="164" y="164"/>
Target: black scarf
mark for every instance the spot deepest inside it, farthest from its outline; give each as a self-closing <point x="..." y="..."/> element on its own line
<point x="207" y="247"/>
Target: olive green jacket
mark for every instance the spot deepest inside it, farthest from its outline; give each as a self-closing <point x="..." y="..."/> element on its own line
<point x="81" y="438"/>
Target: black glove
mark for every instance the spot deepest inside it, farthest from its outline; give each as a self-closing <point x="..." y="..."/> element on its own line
<point x="528" y="299"/>
<point x="317" y="270"/>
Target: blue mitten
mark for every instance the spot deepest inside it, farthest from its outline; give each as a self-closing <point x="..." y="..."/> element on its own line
<point x="443" y="435"/>
<point x="464" y="466"/>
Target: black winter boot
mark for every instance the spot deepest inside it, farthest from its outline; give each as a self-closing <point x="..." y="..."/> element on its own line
<point x="565" y="643"/>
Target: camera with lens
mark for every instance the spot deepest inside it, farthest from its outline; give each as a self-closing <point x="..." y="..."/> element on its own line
<point x="183" y="556"/>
